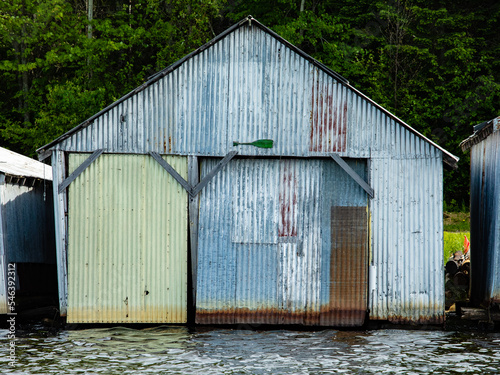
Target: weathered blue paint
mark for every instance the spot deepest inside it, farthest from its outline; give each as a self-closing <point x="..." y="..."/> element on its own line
<point x="264" y="250"/>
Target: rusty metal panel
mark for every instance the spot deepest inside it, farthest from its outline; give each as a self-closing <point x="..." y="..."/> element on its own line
<point x="406" y="272"/>
<point x="348" y="267"/>
<point x="485" y="218"/>
<point x="271" y="259"/>
<point x="127" y="241"/>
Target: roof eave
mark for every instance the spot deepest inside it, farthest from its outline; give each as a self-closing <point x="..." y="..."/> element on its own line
<point x="481" y="132"/>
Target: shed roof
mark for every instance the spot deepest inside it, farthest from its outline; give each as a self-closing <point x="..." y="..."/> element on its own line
<point x="18" y="165"/>
<point x="43" y="151"/>
<point x="481" y="132"/>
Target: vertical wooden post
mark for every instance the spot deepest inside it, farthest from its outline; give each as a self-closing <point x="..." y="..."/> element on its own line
<point x="194" y="206"/>
<point x="61" y="227"/>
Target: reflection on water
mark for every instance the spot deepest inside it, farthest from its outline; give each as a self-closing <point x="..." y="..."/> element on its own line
<point x="177" y="350"/>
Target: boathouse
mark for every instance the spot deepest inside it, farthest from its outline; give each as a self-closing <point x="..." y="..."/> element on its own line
<point x="27" y="248"/>
<point x="296" y="198"/>
<point x="484" y="146"/>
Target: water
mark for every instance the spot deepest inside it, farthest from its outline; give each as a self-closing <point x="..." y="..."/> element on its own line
<point x="178" y="350"/>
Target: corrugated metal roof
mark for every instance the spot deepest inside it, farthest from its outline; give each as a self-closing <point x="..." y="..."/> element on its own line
<point x="15" y="164"/>
<point x="127" y="241"/>
<point x="128" y="115"/>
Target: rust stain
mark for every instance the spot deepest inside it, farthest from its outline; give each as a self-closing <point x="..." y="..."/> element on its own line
<point x="348" y="266"/>
<point x="325" y="317"/>
<point x="328" y="123"/>
<point x="341" y="141"/>
<point x="287" y="200"/>
<point x="169" y="143"/>
<point x="342" y="317"/>
<point x="238" y="316"/>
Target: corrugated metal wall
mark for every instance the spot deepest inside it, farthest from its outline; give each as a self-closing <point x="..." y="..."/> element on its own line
<point x="485" y="220"/>
<point x="29" y="223"/>
<point x="127" y="242"/>
<point x="407" y="280"/>
<point x="274" y="247"/>
<point x="26" y="228"/>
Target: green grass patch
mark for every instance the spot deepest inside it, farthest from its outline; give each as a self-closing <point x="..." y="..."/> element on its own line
<point x="453" y="241"/>
<point x="456" y="222"/>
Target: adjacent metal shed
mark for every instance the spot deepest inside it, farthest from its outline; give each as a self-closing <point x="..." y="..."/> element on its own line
<point x="484" y="146"/>
<point x="27" y="245"/>
<point x="342" y="216"/>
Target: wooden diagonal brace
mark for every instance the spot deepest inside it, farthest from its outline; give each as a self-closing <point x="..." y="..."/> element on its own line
<point x="63" y="185"/>
<point x="172" y="171"/>
<point x="213" y="172"/>
<point x="351" y="172"/>
<point x="193" y="191"/>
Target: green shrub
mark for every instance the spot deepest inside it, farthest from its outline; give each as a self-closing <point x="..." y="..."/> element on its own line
<point x="453" y="241"/>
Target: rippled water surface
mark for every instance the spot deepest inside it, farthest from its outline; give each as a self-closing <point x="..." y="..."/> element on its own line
<point x="178" y="350"/>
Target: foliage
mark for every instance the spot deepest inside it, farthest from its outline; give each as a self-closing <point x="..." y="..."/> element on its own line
<point x="434" y="64"/>
<point x="453" y="241"/>
<point x="58" y="66"/>
<point x="456" y="221"/>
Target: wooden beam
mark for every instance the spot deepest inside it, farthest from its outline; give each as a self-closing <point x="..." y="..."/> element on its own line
<point x="61" y="227"/>
<point x="44" y="154"/>
<point x="213" y="172"/>
<point x="194" y="207"/>
<point x="469" y="313"/>
<point x="172" y="171"/>
<point x="351" y="172"/>
<point x="63" y="185"/>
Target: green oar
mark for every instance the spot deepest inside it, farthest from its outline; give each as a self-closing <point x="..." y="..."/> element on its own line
<point x="262" y="143"/>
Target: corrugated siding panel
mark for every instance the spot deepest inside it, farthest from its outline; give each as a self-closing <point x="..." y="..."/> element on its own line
<point x="485" y="220"/>
<point x="495" y="264"/>
<point x="127" y="249"/>
<point x="29" y="223"/>
<point x="26" y="229"/>
<point x="406" y="273"/>
<point x="265" y="244"/>
<point x="495" y="229"/>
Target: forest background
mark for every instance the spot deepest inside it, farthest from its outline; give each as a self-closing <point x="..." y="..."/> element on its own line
<point x="434" y="64"/>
